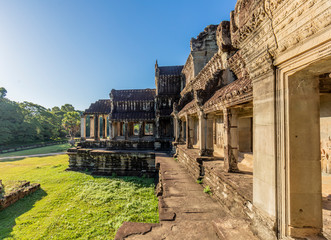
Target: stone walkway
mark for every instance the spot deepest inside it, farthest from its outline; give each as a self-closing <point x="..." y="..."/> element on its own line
<point x="34" y="155"/>
<point x="186" y="212"/>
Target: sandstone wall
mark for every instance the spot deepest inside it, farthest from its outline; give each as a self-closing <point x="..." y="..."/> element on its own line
<point x="325" y="122"/>
<point x="105" y="162"/>
<point x="25" y="189"/>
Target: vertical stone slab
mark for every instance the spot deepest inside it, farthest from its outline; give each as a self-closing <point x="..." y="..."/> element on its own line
<point x="176" y="128"/>
<point x="189" y="132"/>
<point x="305" y="197"/>
<point x="264" y="169"/>
<point x="202" y="134"/>
<point x="91" y="126"/>
<point x="126" y="130"/>
<point x="209" y="136"/>
<point x="230" y="140"/>
<point x="105" y="127"/>
<point x="141" y="129"/>
<point x="111" y="129"/>
<point x="96" y="127"/>
<point x="83" y="127"/>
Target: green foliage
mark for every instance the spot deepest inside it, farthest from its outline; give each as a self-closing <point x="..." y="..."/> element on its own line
<point x="28" y="122"/>
<point x="73" y="205"/>
<point x="200" y="181"/>
<point x="3" y="92"/>
<point x="207" y="190"/>
<point x="71" y="122"/>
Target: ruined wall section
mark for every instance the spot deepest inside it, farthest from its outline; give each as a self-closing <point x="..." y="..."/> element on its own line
<point x="203" y="48"/>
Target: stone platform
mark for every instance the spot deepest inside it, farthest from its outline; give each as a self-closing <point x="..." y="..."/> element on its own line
<point x="108" y="162"/>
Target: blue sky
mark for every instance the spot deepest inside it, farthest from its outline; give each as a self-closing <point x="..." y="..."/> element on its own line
<point x="75" y="51"/>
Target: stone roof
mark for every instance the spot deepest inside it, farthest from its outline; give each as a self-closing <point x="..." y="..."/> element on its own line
<point x="134" y="116"/>
<point x="133" y="95"/>
<point x="226" y="93"/>
<point x="99" y="107"/>
<point x="171" y="70"/>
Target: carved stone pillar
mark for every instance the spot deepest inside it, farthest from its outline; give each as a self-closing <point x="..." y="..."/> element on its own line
<point x="157" y="127"/>
<point x="141" y="129"/>
<point x="91" y="126"/>
<point x="126" y="130"/>
<point x="189" y="132"/>
<point x="96" y="127"/>
<point x="176" y="128"/>
<point x="83" y="127"/>
<point x="209" y="136"/>
<point x="111" y="129"/>
<point x="183" y="135"/>
<point x="202" y="134"/>
<point x="104" y="127"/>
<point x="230" y="140"/>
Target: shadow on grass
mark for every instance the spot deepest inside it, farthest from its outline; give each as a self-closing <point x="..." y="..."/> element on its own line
<point x="9" y="215"/>
<point x="11" y="159"/>
<point x="138" y="181"/>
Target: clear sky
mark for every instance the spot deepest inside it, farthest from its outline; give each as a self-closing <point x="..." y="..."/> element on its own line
<point x="75" y="51"/>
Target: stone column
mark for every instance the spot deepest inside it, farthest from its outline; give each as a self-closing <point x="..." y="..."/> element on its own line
<point x="157" y="127"/>
<point x="83" y="127"/>
<point x="91" y="126"/>
<point x="189" y="132"/>
<point x="184" y="134"/>
<point x="230" y="140"/>
<point x="96" y="127"/>
<point x="141" y="129"/>
<point x="176" y="128"/>
<point x="202" y="133"/>
<point x="126" y="130"/>
<point x="104" y="122"/>
<point x="209" y="136"/>
<point x="111" y="128"/>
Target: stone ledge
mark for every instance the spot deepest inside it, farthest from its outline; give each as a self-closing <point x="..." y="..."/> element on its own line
<point x="25" y="189"/>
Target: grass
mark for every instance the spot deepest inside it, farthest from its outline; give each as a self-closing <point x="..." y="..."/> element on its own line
<point x="73" y="205"/>
<point x="41" y="150"/>
<point x="207" y="190"/>
<point x="200" y="181"/>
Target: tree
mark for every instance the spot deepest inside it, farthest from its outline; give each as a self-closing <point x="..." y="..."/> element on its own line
<point x="3" y="92"/>
<point x="71" y="122"/>
<point x="67" y="108"/>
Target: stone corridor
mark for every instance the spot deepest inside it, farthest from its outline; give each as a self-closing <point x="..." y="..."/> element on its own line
<point x="186" y="212"/>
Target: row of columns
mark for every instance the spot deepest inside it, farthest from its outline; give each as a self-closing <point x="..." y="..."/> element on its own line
<point x="113" y="128"/>
<point x="94" y="127"/>
<point x="184" y="132"/>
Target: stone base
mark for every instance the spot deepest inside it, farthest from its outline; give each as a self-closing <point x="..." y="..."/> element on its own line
<point x="23" y="190"/>
<point x="192" y="161"/>
<point x="106" y="162"/>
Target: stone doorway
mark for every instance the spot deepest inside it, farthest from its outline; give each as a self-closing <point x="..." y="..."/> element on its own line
<point x="303" y="116"/>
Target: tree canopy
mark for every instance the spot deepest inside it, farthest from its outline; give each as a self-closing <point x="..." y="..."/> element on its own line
<point x="3" y="92"/>
<point x="28" y="122"/>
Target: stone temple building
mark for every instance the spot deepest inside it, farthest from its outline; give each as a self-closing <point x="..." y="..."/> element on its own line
<point x="249" y="113"/>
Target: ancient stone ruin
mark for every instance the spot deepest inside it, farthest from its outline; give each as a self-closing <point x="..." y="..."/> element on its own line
<point x="22" y="189"/>
<point x="249" y="113"/>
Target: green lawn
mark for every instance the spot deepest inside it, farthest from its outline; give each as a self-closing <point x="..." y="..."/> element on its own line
<point x="73" y="205"/>
<point x="48" y="149"/>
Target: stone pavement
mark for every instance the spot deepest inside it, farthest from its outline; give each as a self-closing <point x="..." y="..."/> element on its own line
<point x="186" y="212"/>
